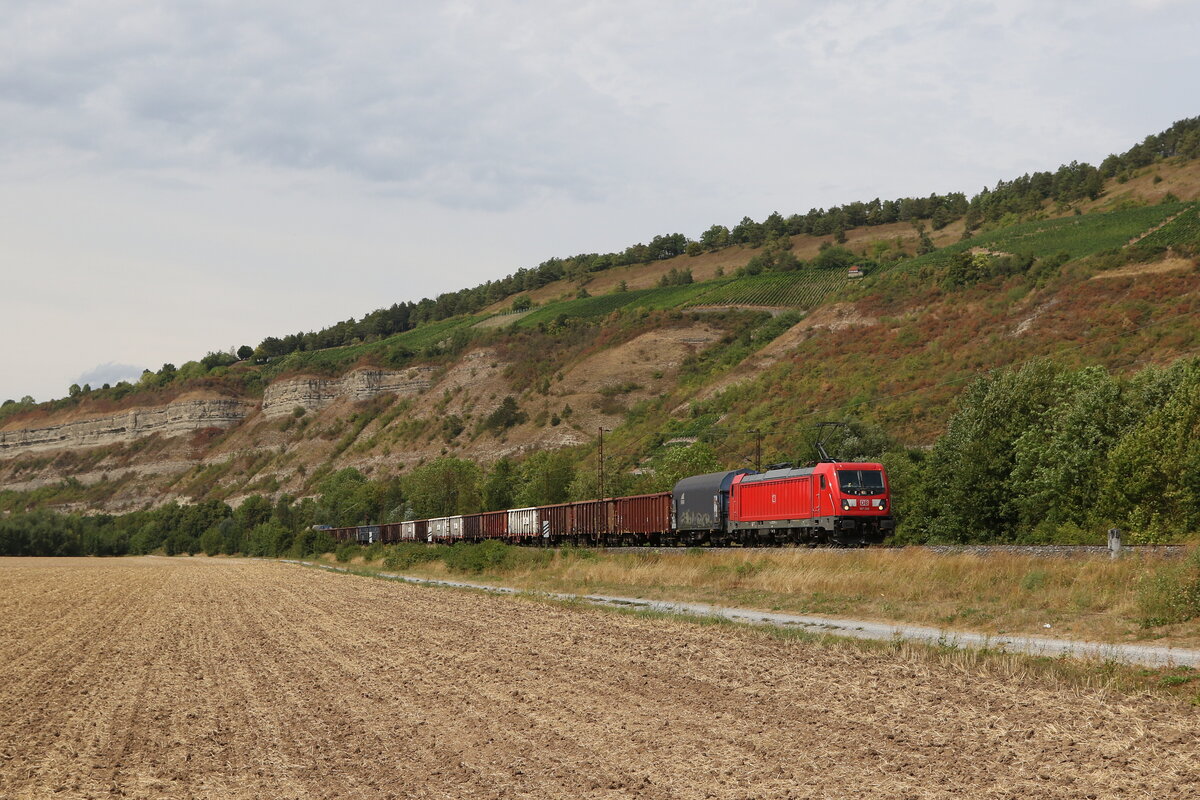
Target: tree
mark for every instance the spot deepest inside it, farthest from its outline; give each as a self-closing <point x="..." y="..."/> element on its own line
<point x="715" y="238"/>
<point x="216" y="359"/>
<point x="443" y="487"/>
<point x="270" y="539"/>
<point x="505" y="416"/>
<point x="835" y="257"/>
<point x="1152" y="477"/>
<point x="210" y="541"/>
<point x="968" y="488"/>
<point x="668" y="246"/>
<point x="254" y="511"/>
<point x="1059" y="459"/>
<point x="925" y="244"/>
<point x="345" y="499"/>
<point x="244" y="352"/>
<point x="676" y="277"/>
<point x="499" y="488"/>
<point x="748" y="232"/>
<point x="678" y="463"/>
<point x="545" y="478"/>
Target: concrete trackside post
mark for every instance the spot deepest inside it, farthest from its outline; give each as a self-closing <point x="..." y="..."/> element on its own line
<point x="1114" y="542"/>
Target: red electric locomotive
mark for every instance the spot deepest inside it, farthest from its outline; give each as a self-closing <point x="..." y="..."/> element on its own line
<point x="842" y="503"/>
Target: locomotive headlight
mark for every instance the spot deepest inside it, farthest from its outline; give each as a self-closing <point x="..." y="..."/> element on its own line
<point x="846" y="504"/>
<point x="883" y="504"/>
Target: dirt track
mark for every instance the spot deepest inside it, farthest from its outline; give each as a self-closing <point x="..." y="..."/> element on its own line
<point x="220" y="679"/>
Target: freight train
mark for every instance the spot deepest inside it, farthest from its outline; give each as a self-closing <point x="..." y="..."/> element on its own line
<point x="846" y="504"/>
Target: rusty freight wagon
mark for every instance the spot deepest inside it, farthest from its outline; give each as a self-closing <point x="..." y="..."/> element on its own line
<point x="484" y="525"/>
<point x="646" y="515"/>
<point x="554" y="522"/>
<point x="589" y="521"/>
<point x="494" y="524"/>
<point x="472" y="527"/>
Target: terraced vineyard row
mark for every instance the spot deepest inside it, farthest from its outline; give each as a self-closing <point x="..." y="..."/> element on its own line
<point x="601" y="305"/>
<point x="1077" y="236"/>
<point x="801" y="290"/>
<point x="1184" y="230"/>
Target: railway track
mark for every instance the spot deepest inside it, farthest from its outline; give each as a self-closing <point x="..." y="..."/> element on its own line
<point x="1041" y="551"/>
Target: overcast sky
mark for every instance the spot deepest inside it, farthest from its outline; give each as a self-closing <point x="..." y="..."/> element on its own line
<point x="177" y="178"/>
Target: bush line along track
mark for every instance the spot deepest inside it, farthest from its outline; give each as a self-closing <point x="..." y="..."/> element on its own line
<point x="1143" y="655"/>
<point x="1036" y="550"/>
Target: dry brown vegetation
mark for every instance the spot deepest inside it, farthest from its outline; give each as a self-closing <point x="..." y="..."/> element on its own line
<point x="227" y="679"/>
<point x="1090" y="598"/>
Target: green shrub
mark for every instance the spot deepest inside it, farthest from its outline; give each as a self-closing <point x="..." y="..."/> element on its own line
<point x="1171" y="593"/>
<point x="568" y="552"/>
<point x="492" y="556"/>
<point x="1034" y="580"/>
<point x="347" y="552"/>
<point x="408" y="554"/>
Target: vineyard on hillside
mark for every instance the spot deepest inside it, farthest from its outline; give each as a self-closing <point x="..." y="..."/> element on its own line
<point x="1183" y="231"/>
<point x="804" y="289"/>
<point x="801" y="290"/>
<point x="1078" y="236"/>
<point x="659" y="298"/>
<point x="333" y="359"/>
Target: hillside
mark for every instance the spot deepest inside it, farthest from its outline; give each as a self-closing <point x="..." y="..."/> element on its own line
<point x="744" y="355"/>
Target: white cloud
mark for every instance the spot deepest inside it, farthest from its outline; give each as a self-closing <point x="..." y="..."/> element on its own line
<point x="177" y="177"/>
<point x="110" y="373"/>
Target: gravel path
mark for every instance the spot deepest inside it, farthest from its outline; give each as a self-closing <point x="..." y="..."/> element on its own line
<point x="1145" y="655"/>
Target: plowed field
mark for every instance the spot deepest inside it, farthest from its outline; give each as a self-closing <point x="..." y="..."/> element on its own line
<point x="197" y="678"/>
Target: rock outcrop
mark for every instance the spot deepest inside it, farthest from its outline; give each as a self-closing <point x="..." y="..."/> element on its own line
<point x="172" y="419"/>
<point x="311" y="394"/>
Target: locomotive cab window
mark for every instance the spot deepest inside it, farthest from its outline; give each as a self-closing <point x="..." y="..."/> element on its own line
<point x="860" y="481"/>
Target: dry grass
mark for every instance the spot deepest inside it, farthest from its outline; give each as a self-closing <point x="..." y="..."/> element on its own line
<point x="1089" y="674"/>
<point x="1061" y="674"/>
<point x="1090" y="598"/>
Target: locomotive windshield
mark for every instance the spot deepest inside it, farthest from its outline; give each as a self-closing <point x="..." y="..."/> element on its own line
<point x="860" y="481"/>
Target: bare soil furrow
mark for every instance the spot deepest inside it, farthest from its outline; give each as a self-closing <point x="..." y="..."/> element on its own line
<point x="198" y="678"/>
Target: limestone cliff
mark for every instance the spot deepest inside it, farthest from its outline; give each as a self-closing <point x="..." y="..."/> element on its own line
<point x="284" y="396"/>
<point x="172" y="419"/>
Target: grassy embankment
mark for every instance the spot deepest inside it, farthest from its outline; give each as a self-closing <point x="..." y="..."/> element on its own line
<point x="1131" y="599"/>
